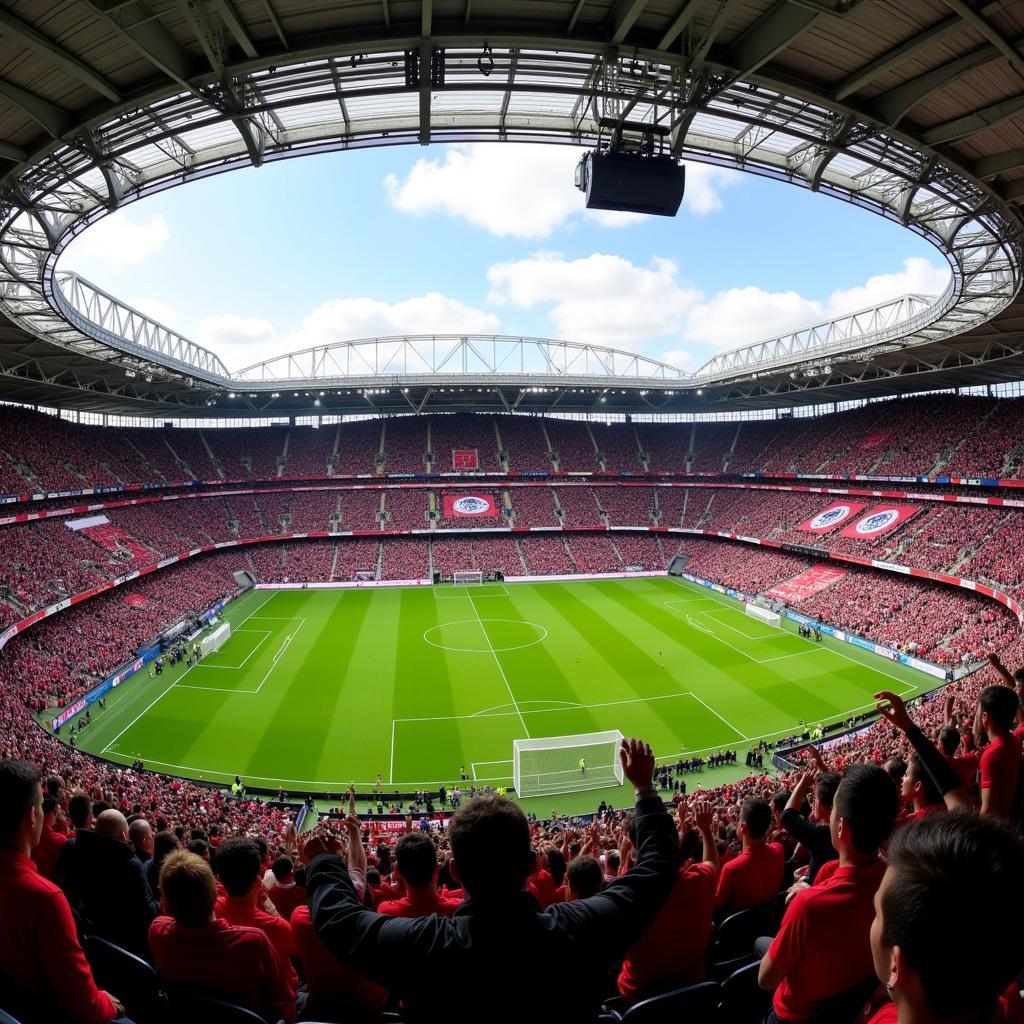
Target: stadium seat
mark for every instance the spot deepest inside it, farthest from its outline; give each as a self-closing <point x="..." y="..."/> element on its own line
<point x="743" y="1000"/>
<point x="129" y="977"/>
<point x="692" y="1003"/>
<point x="735" y="936"/>
<point x="197" y="1008"/>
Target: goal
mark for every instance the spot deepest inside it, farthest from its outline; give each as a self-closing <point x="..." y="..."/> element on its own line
<point x="763" y="615"/>
<point x="468" y="576"/>
<point x="216" y="640"/>
<point x="552" y="764"/>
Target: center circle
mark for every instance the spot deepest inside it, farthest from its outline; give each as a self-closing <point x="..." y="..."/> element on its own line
<point x="484" y="636"/>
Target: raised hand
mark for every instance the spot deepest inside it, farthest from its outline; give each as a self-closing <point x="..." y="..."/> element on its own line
<point x="637" y="763"/>
<point x="895" y="712"/>
<point x="703" y="815"/>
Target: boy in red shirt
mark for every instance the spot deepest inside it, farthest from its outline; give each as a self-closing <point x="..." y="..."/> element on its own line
<point x="755" y="876"/>
<point x="941" y="870"/>
<point x="416" y="865"/>
<point x="1000" y="759"/>
<point x="823" y="948"/>
<point x="195" y="949"/>
<point x="39" y="950"/>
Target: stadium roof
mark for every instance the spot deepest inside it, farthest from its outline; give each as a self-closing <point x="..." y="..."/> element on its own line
<point x="911" y="109"/>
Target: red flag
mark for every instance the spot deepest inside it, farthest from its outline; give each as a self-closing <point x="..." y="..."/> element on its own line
<point x="829" y="518"/>
<point x="807" y="584"/>
<point x="475" y="505"/>
<point x="881" y="519"/>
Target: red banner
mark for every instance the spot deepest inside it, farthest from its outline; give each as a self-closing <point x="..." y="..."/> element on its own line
<point x="881" y="519"/>
<point x="469" y="505"/>
<point x="807" y="584"/>
<point x="872" y="441"/>
<point x="465" y="458"/>
<point x="829" y="518"/>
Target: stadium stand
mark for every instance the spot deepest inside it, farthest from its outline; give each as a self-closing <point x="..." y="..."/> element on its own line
<point x="463" y="431"/>
<point x="405" y="444"/>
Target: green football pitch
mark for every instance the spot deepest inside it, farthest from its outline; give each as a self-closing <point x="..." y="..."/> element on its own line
<point x="317" y="689"/>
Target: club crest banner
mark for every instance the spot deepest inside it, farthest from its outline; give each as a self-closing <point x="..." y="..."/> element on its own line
<point x="829" y="518"/>
<point x="469" y="505"/>
<point x="881" y="519"/>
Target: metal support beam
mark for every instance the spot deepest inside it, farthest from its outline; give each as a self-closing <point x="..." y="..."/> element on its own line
<point x="53" y="119"/>
<point x="8" y="151"/>
<point x="426" y="55"/>
<point x="623" y="18"/>
<point x="977" y="21"/>
<point x="913" y="47"/>
<point x="276" y="22"/>
<point x="14" y="28"/>
<point x="234" y="25"/>
<point x="768" y="35"/>
<point x="140" y="25"/>
<point x="893" y="105"/>
<point x="971" y="124"/>
<point x="988" y="166"/>
<point x="575" y="17"/>
<point x="679" y="23"/>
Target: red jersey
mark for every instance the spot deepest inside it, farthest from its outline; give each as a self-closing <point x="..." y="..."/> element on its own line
<point x="752" y="878"/>
<point x="39" y="947"/>
<point x="1000" y="768"/>
<point x="419" y="903"/>
<point x="286" y="898"/>
<point x="966" y="769"/>
<point x="334" y="988"/>
<point x="671" y="952"/>
<point x="225" y="961"/>
<point x="543" y="889"/>
<point x="823" y="947"/>
<point x="46" y="853"/>
<point x="239" y="912"/>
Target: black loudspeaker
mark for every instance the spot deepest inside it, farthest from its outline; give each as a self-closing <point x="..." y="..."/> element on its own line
<point x="632" y="183"/>
<point x="437" y="576"/>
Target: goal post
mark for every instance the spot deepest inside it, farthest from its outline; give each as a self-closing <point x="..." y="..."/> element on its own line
<point x="566" y="764"/>
<point x="770" y="618"/>
<point x="462" y="577"/>
<point x="215" y="640"/>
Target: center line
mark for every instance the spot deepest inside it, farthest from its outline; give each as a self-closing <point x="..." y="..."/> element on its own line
<point x="497" y="661"/>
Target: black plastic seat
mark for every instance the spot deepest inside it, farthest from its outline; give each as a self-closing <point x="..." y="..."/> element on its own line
<point x="135" y="982"/>
<point x="197" y="1008"/>
<point x="743" y="1000"/>
<point x="693" y="1003"/>
<point x="735" y="936"/>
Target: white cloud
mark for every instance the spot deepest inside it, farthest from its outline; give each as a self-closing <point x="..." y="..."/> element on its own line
<point x="157" y="310"/>
<point x="118" y="240"/>
<point x="602" y="299"/>
<point x="240" y="340"/>
<point x="738" y="316"/>
<point x="525" y="191"/>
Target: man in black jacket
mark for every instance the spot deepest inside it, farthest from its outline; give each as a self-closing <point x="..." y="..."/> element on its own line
<point x="109" y="882"/>
<point x="509" y="957"/>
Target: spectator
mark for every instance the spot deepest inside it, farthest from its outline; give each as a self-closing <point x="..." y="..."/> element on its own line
<point x="140" y="834"/>
<point x="754" y="877"/>
<point x="584" y="878"/>
<point x="164" y="842"/>
<point x="918" y="790"/>
<point x="286" y="894"/>
<point x="416" y="865"/>
<point x="823" y="949"/>
<point x="814" y="834"/>
<point x="50" y="842"/>
<point x="110" y="882"/>
<point x="941" y="870"/>
<point x="1000" y="759"/>
<point x="670" y="954"/>
<point x="40" y="956"/>
<point x="238" y="866"/>
<point x="195" y="949"/>
<point x="561" y="954"/>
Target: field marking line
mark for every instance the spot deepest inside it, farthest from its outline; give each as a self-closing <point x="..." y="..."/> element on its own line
<point x="498" y="707"/>
<point x="391" y="765"/>
<point x="261" y="641"/>
<point x="277" y="657"/>
<point x="750" y="636"/>
<point x="739" y="732"/>
<point x="695" y="600"/>
<point x="783" y="657"/>
<point x="497" y="661"/>
<point x="176" y="682"/>
<point x="907" y="687"/>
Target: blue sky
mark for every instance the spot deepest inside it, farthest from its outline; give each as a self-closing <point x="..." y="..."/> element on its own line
<point x="490" y="239"/>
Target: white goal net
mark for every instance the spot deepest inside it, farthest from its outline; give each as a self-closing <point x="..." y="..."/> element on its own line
<point x="566" y="764"/>
<point x="216" y="640"/>
<point x="468" y="576"/>
<point x="763" y="615"/>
